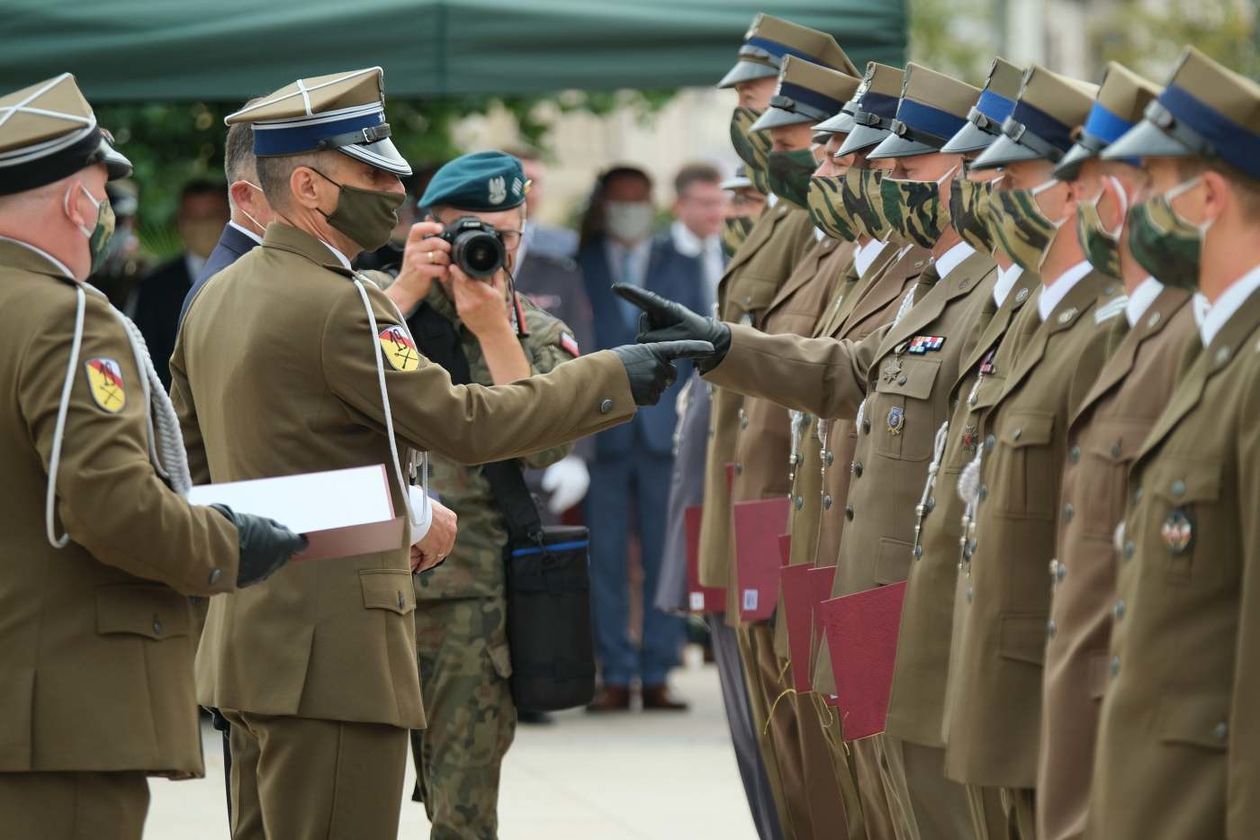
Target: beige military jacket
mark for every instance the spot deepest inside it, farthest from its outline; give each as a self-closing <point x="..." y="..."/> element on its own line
<point x="1178" y="733"/>
<point x="1118" y="411"/>
<point x="996" y="659"/>
<point x="762" y="264"/>
<point x="274" y="373"/>
<point x="916" y="702"/>
<point x="96" y="638"/>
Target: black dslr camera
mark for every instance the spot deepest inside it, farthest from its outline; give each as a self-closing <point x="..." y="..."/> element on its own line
<point x="476" y="247"/>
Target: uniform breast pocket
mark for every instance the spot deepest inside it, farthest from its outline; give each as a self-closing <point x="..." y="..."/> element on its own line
<point x="1106" y="454"/>
<point x="1024" y="477"/>
<point x="901" y="411"/>
<point x="1186" y="493"/>
<point x="752" y="295"/>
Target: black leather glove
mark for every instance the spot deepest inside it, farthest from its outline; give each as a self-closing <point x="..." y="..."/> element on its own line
<point x="266" y="545"/>
<point x="650" y="366"/>
<point x="665" y="320"/>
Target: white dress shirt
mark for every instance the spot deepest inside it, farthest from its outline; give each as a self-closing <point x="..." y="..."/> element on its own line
<point x="953" y="258"/>
<point x="1141" y="299"/>
<point x="1220" y="311"/>
<point x="1006" y="281"/>
<point x="709" y="250"/>
<point x="1053" y="294"/>
<point x="865" y="255"/>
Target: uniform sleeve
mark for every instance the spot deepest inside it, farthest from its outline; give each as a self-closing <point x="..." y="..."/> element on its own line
<point x="821" y="376"/>
<point x="109" y="498"/>
<point x="471" y="424"/>
<point x="545" y="350"/>
<point x="186" y="410"/>
<point x="1243" y="762"/>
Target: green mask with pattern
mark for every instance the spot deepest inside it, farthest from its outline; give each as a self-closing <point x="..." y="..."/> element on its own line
<point x="789" y="175"/>
<point x="1165" y="244"/>
<point x="1101" y="246"/>
<point x="1023" y="229"/>
<point x="826" y="208"/>
<point x="914" y="209"/>
<point x="969" y="213"/>
<point x="734" y="231"/>
<point x="853" y="197"/>
<point x="753" y="147"/>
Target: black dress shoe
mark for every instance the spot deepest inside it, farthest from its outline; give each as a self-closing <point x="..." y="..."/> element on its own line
<point x="659" y="698"/>
<point x="531" y="718"/>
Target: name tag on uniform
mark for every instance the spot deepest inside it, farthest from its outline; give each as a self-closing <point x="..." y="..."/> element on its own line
<point x="922" y="344"/>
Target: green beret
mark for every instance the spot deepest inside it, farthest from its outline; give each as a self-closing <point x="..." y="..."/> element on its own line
<point x="481" y="182"/>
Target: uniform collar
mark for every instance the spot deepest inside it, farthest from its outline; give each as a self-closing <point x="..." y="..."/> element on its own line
<point x="865" y="255"/>
<point x="1219" y="313"/>
<point x="1141" y="299"/>
<point x="953" y="258"/>
<point x="1055" y="292"/>
<point x="285" y="237"/>
<point x="26" y="256"/>
<point x="1006" y="280"/>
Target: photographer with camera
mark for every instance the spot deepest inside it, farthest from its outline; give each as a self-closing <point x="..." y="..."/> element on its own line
<point x="473" y="323"/>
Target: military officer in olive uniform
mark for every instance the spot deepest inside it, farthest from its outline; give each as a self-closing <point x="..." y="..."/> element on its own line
<point x="1106" y="431"/>
<point x="1178" y="728"/>
<point x="100" y="551"/>
<point x="916" y="701"/>
<point x="288" y="362"/>
<point x="806" y="94"/>
<point x="993" y="709"/>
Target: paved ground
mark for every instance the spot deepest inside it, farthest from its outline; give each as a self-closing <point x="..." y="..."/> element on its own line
<point x="654" y="776"/>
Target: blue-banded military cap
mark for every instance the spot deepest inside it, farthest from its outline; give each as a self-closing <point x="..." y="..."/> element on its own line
<point x="342" y="112"/>
<point x="874" y="107"/>
<point x="480" y="181"/>
<point x="932" y="109"/>
<point x="48" y="132"/>
<point x="1042" y="126"/>
<point x="806" y="93"/>
<point x="1122" y="99"/>
<point x="770" y="39"/>
<point x="984" y="120"/>
<point x="738" y="181"/>
<point x="1206" y="111"/>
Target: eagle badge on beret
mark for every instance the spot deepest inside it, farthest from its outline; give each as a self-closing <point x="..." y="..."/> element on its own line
<point x="105" y="383"/>
<point x="497" y="190"/>
<point x="398" y="348"/>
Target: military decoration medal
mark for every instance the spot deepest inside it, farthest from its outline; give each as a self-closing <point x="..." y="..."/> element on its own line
<point x="970" y="439"/>
<point x="1177" y="531"/>
<point x="398" y="348"/>
<point x="892" y="369"/>
<point x="105" y="383"/>
<point x="923" y="344"/>
<point x="896" y="420"/>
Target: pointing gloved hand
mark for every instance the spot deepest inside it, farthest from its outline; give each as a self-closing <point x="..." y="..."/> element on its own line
<point x="650" y="367"/>
<point x="266" y="545"/>
<point x="567" y="480"/>
<point x="665" y="320"/>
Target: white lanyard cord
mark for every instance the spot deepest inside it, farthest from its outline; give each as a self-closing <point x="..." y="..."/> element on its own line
<point x="59" y="430"/>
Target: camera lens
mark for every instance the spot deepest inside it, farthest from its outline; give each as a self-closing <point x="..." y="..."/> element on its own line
<point x="479" y="253"/>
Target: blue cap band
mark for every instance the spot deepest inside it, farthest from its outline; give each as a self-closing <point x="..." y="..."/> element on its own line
<point x="1043" y="125"/>
<point x="813" y="98"/>
<point x="878" y="104"/>
<point x="779" y="50"/>
<point x="1231" y="142"/>
<point x="1105" y="125"/>
<point x="928" y="120"/>
<point x="995" y="106"/>
<point x="293" y="140"/>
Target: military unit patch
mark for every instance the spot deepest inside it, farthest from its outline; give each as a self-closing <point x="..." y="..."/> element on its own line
<point x="896" y="419"/>
<point x="922" y="344"/>
<point x="1177" y="531"/>
<point x="105" y="383"/>
<point x="398" y="348"/>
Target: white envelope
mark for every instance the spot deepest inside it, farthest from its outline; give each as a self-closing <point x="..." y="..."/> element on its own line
<point x="342" y="512"/>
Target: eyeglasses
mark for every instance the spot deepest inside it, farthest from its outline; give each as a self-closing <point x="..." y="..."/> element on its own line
<point x="511" y="238"/>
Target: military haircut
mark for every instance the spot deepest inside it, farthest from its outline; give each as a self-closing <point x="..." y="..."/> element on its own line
<point x="274" y="173"/>
<point x="239" y="163"/>
<point x="1244" y="187"/>
<point x="695" y="173"/>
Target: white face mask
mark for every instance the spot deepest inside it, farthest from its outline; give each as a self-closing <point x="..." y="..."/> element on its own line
<point x="629" y="221"/>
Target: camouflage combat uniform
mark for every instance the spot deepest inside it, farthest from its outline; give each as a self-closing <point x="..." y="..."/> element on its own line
<point x="461" y="629"/>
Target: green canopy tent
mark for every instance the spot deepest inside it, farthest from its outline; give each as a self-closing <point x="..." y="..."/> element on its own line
<point x="229" y="50"/>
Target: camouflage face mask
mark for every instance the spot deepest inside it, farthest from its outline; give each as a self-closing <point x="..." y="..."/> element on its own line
<point x="789" y="175"/>
<point x="753" y="147"/>
<point x="734" y="231"/>
<point x="1101" y="246"/>
<point x="914" y="209"/>
<point x="1165" y="244"/>
<point x="826" y="208"/>
<point x="1023" y="229"/>
<point x="853" y="197"/>
<point x="969" y="213"/>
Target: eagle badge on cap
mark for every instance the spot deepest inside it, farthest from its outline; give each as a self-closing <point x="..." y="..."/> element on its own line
<point x="399" y="349"/>
<point x="1177" y="532"/>
<point x="497" y="189"/>
<point x="105" y="383"/>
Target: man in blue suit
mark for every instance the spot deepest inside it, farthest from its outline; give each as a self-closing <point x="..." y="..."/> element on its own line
<point x="630" y="474"/>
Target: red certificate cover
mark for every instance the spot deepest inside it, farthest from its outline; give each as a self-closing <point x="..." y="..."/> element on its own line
<point x="700" y="599"/>
<point x="758" y="525"/>
<point x="797" y="612"/>
<point x="862" y="632"/>
<point x="785" y="549"/>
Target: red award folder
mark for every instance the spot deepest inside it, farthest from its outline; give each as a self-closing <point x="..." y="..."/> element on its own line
<point x="700" y="599"/>
<point x="862" y="632"/>
<point x="798" y="614"/>
<point x="758" y="525"/>
<point x="785" y="549"/>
